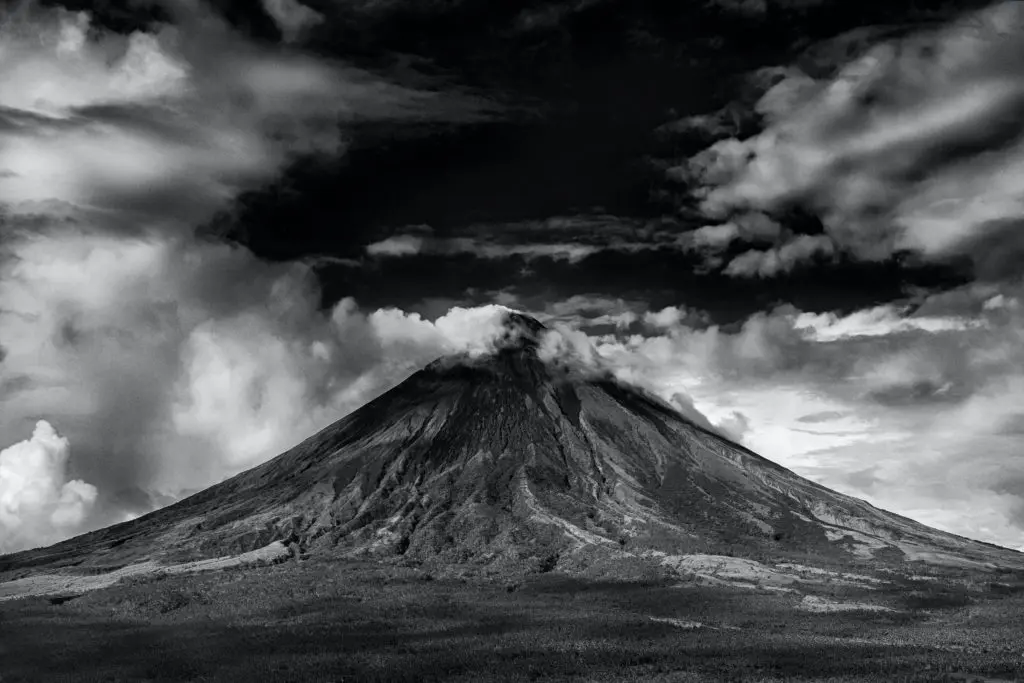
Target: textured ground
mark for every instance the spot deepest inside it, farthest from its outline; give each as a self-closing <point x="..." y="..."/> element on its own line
<point x="321" y="620"/>
<point x="64" y="584"/>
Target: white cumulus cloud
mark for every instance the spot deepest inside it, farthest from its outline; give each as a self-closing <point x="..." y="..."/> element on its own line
<point x="38" y="503"/>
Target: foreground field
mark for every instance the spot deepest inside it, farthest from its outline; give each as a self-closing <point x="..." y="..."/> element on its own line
<point x="329" y="621"/>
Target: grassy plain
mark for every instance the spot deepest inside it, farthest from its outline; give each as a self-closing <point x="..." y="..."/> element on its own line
<point x="320" y="620"/>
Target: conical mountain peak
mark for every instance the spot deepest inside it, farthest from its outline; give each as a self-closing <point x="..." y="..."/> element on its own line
<point x="500" y="457"/>
<point x="508" y="344"/>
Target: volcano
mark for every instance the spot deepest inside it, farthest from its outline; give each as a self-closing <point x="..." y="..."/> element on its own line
<point x="518" y="460"/>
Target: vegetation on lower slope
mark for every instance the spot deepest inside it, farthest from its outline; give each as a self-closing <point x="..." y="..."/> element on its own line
<point x="320" y="620"/>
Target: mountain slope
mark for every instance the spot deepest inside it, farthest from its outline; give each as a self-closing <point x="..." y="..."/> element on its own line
<point x="511" y="461"/>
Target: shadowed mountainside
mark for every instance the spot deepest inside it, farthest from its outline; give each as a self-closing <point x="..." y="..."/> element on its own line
<point x="518" y="463"/>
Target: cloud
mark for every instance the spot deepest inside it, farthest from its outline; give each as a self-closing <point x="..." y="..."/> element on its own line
<point x="789" y="251"/>
<point x="565" y="251"/>
<point x="914" y="145"/>
<point x="476" y="331"/>
<point x="821" y="416"/>
<point x="734" y="426"/>
<point x="570" y="347"/>
<point x="683" y="403"/>
<point x="399" y="245"/>
<point x="560" y="238"/>
<point x="882" y="320"/>
<point x="131" y="124"/>
<point x="723" y="122"/>
<point x="292" y="17"/>
<point x="149" y="348"/>
<point x="591" y="310"/>
<point x="125" y="133"/>
<point x="413" y="245"/>
<point x="782" y="259"/>
<point x="765" y="344"/>
<point x="169" y="361"/>
<point x="756" y="226"/>
<point x="671" y="317"/>
<point x="135" y="346"/>
<point x="715" y="236"/>
<point x="38" y="503"/>
<point x="913" y="378"/>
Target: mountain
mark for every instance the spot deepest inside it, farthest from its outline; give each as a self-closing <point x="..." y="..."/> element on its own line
<point x="517" y="460"/>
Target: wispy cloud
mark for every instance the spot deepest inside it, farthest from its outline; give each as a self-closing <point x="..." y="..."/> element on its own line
<point x="588" y="311"/>
<point x="292" y="17"/>
<point x="415" y="245"/>
<point x="880" y="321"/>
<point x="561" y="238"/>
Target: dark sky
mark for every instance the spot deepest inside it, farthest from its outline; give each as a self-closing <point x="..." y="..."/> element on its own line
<point x="582" y="99"/>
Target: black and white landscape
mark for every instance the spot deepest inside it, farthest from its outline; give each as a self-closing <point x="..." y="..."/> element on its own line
<point x="595" y="340"/>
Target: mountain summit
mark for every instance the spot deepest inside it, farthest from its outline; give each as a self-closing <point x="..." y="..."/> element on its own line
<point x="509" y="460"/>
